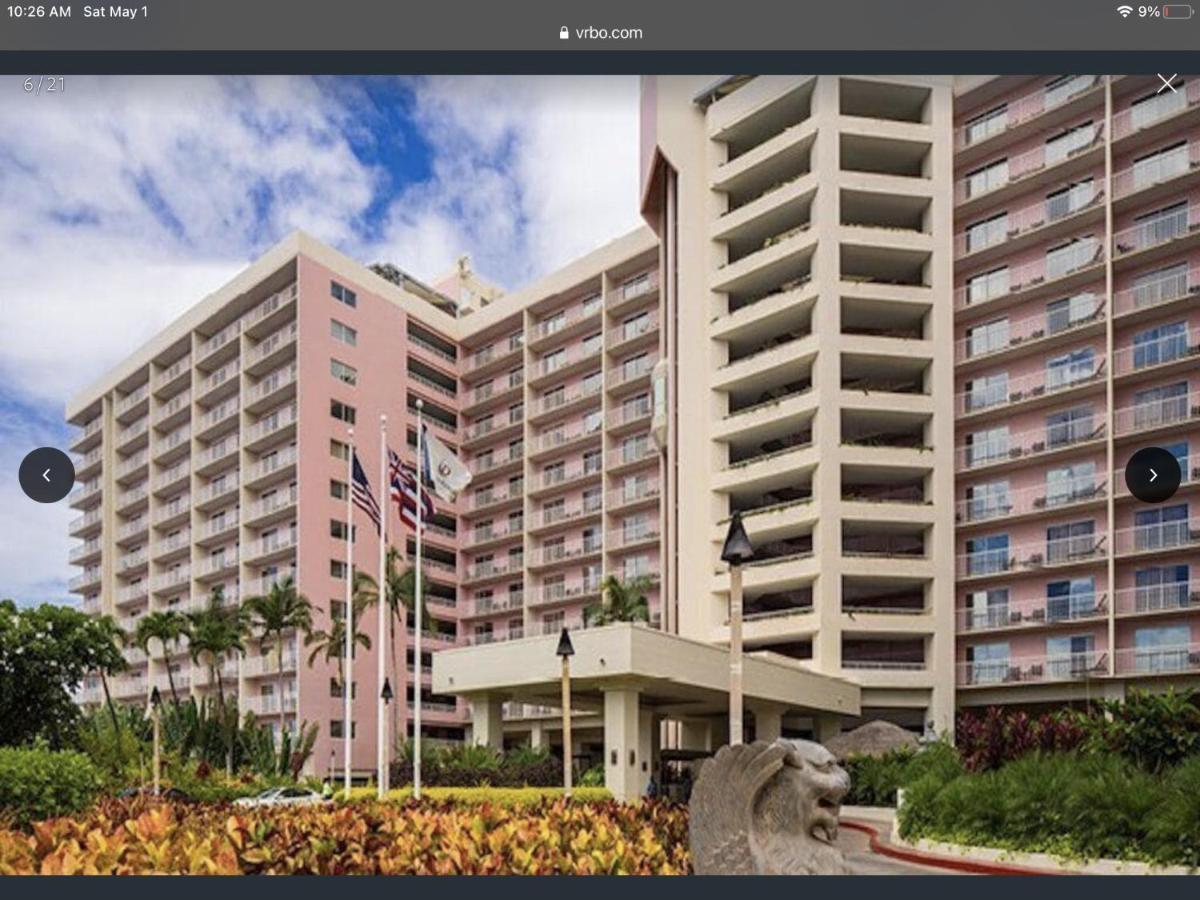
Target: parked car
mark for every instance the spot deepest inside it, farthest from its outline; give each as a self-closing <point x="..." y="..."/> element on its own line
<point x="284" y="796"/>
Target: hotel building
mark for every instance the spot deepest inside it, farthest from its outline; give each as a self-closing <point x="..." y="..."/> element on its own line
<point x="910" y="328"/>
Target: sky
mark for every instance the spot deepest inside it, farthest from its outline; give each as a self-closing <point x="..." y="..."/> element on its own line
<point x="123" y="201"/>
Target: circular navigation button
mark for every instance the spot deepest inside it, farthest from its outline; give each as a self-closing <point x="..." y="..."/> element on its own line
<point x="47" y="475"/>
<point x="1153" y="475"/>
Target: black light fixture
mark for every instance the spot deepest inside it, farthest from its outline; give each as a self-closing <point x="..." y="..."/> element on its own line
<point x="155" y="698"/>
<point x="737" y="548"/>
<point x="386" y="694"/>
<point x="565" y="647"/>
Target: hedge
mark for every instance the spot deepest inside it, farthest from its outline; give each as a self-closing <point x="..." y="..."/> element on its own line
<point x="874" y="780"/>
<point x="1077" y="806"/>
<point x="37" y="783"/>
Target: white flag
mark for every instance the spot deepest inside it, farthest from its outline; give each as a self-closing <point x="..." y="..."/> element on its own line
<point x="444" y="472"/>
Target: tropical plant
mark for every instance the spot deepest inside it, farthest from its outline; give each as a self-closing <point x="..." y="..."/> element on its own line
<point x="267" y="761"/>
<point x="169" y="628"/>
<point x="1152" y="730"/>
<point x="400" y="596"/>
<point x="282" y="609"/>
<point x="330" y="645"/>
<point x="37" y="783"/>
<point x="111" y="663"/>
<point x="45" y="653"/>
<point x="624" y="601"/>
<point x="215" y="632"/>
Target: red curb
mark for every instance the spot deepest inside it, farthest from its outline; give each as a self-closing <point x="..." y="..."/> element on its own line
<point x="920" y="857"/>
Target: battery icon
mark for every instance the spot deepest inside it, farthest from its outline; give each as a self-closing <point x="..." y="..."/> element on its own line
<point x="1177" y="11"/>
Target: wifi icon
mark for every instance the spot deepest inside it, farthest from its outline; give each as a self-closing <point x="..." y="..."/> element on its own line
<point x="1124" y="11"/>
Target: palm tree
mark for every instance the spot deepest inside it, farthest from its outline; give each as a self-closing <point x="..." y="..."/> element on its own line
<point x="216" y="632"/>
<point x="624" y="601"/>
<point x="400" y="596"/>
<point x="168" y="628"/>
<point x="281" y="609"/>
<point x="331" y="644"/>
<point x="108" y="628"/>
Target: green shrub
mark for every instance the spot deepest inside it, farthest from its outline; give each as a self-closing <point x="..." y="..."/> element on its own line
<point x="498" y="796"/>
<point x="874" y="780"/>
<point x="1153" y="730"/>
<point x="39" y="783"/>
<point x="1174" y="830"/>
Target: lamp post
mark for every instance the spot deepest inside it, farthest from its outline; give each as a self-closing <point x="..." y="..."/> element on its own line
<point x="565" y="651"/>
<point x="156" y="718"/>
<point x="736" y="551"/>
<point x="386" y="696"/>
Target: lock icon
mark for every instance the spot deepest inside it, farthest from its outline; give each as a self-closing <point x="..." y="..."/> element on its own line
<point x="564" y="33"/>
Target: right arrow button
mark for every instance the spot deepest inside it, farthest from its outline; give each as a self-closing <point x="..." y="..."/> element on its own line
<point x="1153" y="474"/>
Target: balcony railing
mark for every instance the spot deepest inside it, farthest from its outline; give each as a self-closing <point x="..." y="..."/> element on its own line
<point x="1021" y="110"/>
<point x="628" y="331"/>
<point x="1029" y="387"/>
<point x="269" y="705"/>
<point x="219" y="413"/>
<point x="562" y="436"/>
<point x="129" y="401"/>
<point x="1032" y="557"/>
<point x="276" y="421"/>
<point x="484" y="606"/>
<point x="1026" y="219"/>
<point x="1026" y="164"/>
<point x="217" y="489"/>
<point x="482" y="535"/>
<point x="500" y="349"/>
<point x="1173" y="596"/>
<point x="633" y="289"/>
<point x="220" y="339"/>
<point x="487" y="462"/>
<point x="493" y="568"/>
<point x="273" y="503"/>
<point x="559" y="360"/>
<point x="1151" y="293"/>
<point x="629" y="414"/>
<point x="1156" y="231"/>
<point x="562" y="591"/>
<point x="134" y="431"/>
<point x="1150" y="112"/>
<point x="219" y="377"/>
<point x="1156" y="170"/>
<point x="272" y="543"/>
<point x="557" y="400"/>
<point x="1028" y="330"/>
<point x="174" y="370"/>
<point x="632" y="371"/>
<point x="272" y="342"/>
<point x="1166" y="349"/>
<point x="1158" y="537"/>
<point x="1039" y="498"/>
<point x="268" y="664"/>
<point x="1034" y="669"/>
<point x="633" y="493"/>
<point x="179" y="506"/>
<point x="551" y="325"/>
<point x="271" y="304"/>
<point x="485" y="499"/>
<point x="632" y="535"/>
<point x="1157" y="414"/>
<point x="1168" y="660"/>
<point x="85" y="522"/>
<point x="556" y="553"/>
<point x="273" y="382"/>
<point x="173" y="579"/>
<point x="1034" y="611"/>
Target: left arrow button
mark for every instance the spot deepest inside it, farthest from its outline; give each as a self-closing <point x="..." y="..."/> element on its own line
<point x="47" y="475"/>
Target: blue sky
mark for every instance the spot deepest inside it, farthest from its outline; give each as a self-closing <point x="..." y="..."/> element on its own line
<point x="123" y="201"/>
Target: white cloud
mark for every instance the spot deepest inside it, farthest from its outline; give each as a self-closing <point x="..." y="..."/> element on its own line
<point x="123" y="201"/>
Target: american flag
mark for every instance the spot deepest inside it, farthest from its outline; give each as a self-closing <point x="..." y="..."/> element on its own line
<point x="404" y="492"/>
<point x="360" y="491"/>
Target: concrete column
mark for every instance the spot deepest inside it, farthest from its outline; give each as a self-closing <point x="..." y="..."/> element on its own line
<point x="826" y="726"/>
<point x="487" y="721"/>
<point x="622" y="770"/>
<point x="539" y="738"/>
<point x="647" y="731"/>
<point x="768" y="723"/>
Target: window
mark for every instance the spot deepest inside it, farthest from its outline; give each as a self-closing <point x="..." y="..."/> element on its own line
<point x="1072" y="598"/>
<point x="1070" y="311"/>
<point x="592" y="382"/>
<point x="1160" y="286"/>
<point x="343" y="294"/>
<point x="593" y="422"/>
<point x="1163" y="649"/>
<point x="1069" y="200"/>
<point x="982" y="126"/>
<point x="592" y="462"/>
<point x="988" y="609"/>
<point x="986" y="233"/>
<point x="554" y="323"/>
<point x="986" y="501"/>
<point x="335" y="689"/>
<point x="1070" y="141"/>
<point x="1161" y="528"/>
<point x="990" y="390"/>
<point x="342" y="372"/>
<point x="989" y="662"/>
<point x="1070" y="657"/>
<point x="592" y="499"/>
<point x="341" y="411"/>
<point x="1159" y="345"/>
<point x="554" y="473"/>
<point x="1064" y="87"/>
<point x="592" y="304"/>
<point x="1066" y="258"/>
<point x="1160" y="165"/>
<point x="987" y="555"/>
<point x="987" y="178"/>
<point x="987" y="338"/>
<point x="636" y="286"/>
<point x="635" y="448"/>
<point x="1160" y="405"/>
<point x="337" y="568"/>
<point x="1069" y="427"/>
<point x="987" y="446"/>
<point x="338" y="530"/>
<point x="343" y="333"/>
<point x="636" y="566"/>
<point x="1068" y="368"/>
<point x="339" y="490"/>
<point x="1068" y="484"/>
<point x="554" y="398"/>
<point x="987" y="285"/>
<point x="553" y="361"/>
<point x="1161" y="587"/>
<point x="1155" y="228"/>
<point x="635" y="326"/>
<point x="1071" y="541"/>
<point x="591" y="343"/>
<point x="339" y="450"/>
<point x="335" y="725"/>
<point x="1151" y="108"/>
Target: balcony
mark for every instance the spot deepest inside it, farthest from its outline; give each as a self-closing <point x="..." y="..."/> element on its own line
<point x="1155" y="414"/>
<point x="482" y="571"/>
<point x="1023" y="111"/>
<point x="220" y="383"/>
<point x="1033" y="669"/>
<point x="272" y="347"/>
<point x="280" y="542"/>
<point x="173" y="445"/>
<point x="1032" y="220"/>
<point x="566" y="436"/>
<point x="175" y="477"/>
<point x="174" y="377"/>
<point x="631" y="292"/>
<point x="85" y="524"/>
<point x="1034" y="386"/>
<point x="553" y="554"/>
<point x="132" y="562"/>
<point x="1031" y="500"/>
<point x="271" y="428"/>
<point x="494" y="356"/>
<point x="1159" y="538"/>
<point x="1022" y="446"/>
<point x="89" y="463"/>
<point x="272" y="504"/>
<point x="218" y="528"/>
<point x="1151" y="112"/>
<point x="215" y="492"/>
<point x="131" y="402"/>
<point x="132" y="498"/>
<point x="559" y="515"/>
<point x="88" y="436"/>
<point x="132" y="466"/>
<point x="635" y="372"/>
<point x="429" y="346"/>
<point x="1156" y="170"/>
<point x="1035" y="612"/>
<point x="1012" y="284"/>
<point x="87" y="494"/>
<point x="1156" y="232"/>
<point x="270" y="306"/>
<point x="495" y="427"/>
<point x="563" y="592"/>
<point x="1151" y="661"/>
<point x="254" y="587"/>
<point x="628" y="415"/>
<point x="132" y="530"/>
<point x="480" y="536"/>
<point x="178" y="509"/>
<point x="1152" y="356"/>
<point x="1151" y="295"/>
<point x="133" y="435"/>
<point x="226" y="337"/>
<point x="502" y="387"/>
<point x="634" y="332"/>
<point x="634" y="493"/>
<point x="1037" y="331"/>
<point x="558" y="401"/>
<point x="498" y="459"/>
<point x="217" y="565"/>
<point x="483" y="500"/>
<point x="174" y="580"/>
<point x="173" y="544"/>
<point x="565" y="322"/>
<point x="1036" y="165"/>
<point x="269" y="705"/>
<point x="268" y="664"/>
<point x="88" y="551"/>
<point x="1153" y="599"/>
<point x="270" y="388"/>
<point x="486" y="606"/>
<point x="1033" y="557"/>
<point x="631" y="536"/>
<point x="133" y="593"/>
<point x="223" y="414"/>
<point x="562" y="362"/>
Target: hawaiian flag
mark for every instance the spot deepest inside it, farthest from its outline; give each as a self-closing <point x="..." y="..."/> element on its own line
<point x="405" y="494"/>
<point x="360" y="491"/>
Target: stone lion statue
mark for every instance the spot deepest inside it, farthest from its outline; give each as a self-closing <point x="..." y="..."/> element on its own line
<point x="768" y="809"/>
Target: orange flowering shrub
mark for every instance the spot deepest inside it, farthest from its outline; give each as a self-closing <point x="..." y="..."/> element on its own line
<point x="423" y="838"/>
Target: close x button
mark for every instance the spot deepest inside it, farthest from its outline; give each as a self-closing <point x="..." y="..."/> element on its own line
<point x="1153" y="475"/>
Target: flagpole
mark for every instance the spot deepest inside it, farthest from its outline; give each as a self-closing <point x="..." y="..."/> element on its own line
<point x="348" y="619"/>
<point x="381" y="654"/>
<point x="417" y="603"/>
